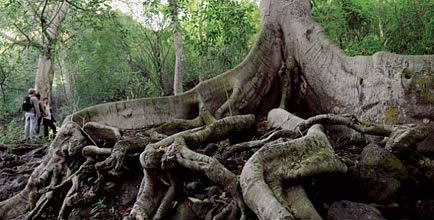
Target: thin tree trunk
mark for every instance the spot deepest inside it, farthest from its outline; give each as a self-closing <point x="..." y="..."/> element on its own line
<point x="3" y="94"/>
<point x="179" y="50"/>
<point x="69" y="81"/>
<point x="202" y="53"/>
<point x="159" y="66"/>
<point x="2" y="84"/>
<point x="380" y="21"/>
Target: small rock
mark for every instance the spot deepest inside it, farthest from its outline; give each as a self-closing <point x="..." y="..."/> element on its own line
<point x="201" y="208"/>
<point x="213" y="190"/>
<point x="380" y="174"/>
<point x="191" y="187"/>
<point x="347" y="210"/>
<point x="425" y="209"/>
<point x="128" y="192"/>
<point x="210" y="149"/>
<point x="183" y="212"/>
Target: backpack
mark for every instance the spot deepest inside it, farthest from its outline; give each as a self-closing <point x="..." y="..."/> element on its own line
<point x="27" y="105"/>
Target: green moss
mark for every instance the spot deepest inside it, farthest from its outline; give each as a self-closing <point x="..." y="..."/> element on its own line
<point x="422" y="86"/>
<point x="394" y="167"/>
<point x="370" y="160"/>
<point x="370" y="174"/>
<point x="394" y="186"/>
<point x="391" y="114"/>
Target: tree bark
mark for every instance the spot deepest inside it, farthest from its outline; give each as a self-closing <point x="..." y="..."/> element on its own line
<point x="45" y="72"/>
<point x="44" y="75"/>
<point x="387" y="88"/>
<point x="179" y="49"/>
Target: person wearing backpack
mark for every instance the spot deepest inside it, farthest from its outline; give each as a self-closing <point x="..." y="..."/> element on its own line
<point x="31" y="114"/>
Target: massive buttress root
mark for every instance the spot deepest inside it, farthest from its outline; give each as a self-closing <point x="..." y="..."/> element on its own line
<point x="263" y="176"/>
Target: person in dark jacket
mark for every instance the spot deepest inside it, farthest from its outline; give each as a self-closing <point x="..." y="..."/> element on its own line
<point x="48" y="119"/>
<point x="38" y="126"/>
<point x="31" y="116"/>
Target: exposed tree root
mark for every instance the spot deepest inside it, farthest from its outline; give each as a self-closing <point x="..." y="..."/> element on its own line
<point x="265" y="172"/>
<point x="209" y="166"/>
<point x="269" y="180"/>
<point x="255" y="144"/>
<point x="400" y="137"/>
<point x="115" y="162"/>
<point x="161" y="156"/>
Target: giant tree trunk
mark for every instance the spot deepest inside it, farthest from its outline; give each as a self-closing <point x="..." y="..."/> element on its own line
<point x="45" y="72"/>
<point x="385" y="87"/>
<point x="44" y="75"/>
<point x="291" y="59"/>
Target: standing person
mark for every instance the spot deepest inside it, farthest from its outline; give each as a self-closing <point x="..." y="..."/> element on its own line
<point x="48" y="120"/>
<point x="31" y="113"/>
<point x="38" y="126"/>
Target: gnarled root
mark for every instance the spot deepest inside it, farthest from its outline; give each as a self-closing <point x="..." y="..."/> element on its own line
<point x="114" y="163"/>
<point x="149" y="197"/>
<point x="262" y="176"/>
<point x="80" y="193"/>
<point x="401" y="138"/>
<point x="255" y="144"/>
<point x="53" y="169"/>
<point x="160" y="157"/>
<point x="209" y="166"/>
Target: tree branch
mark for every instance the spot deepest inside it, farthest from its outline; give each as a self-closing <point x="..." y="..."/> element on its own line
<point x="42" y="19"/>
<point x="13" y="40"/>
<point x="56" y="20"/>
<point x="30" y="41"/>
<point x="76" y="6"/>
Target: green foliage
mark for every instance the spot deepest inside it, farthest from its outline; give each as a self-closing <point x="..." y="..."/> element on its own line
<point x="11" y="133"/>
<point x="118" y="58"/>
<point x="98" y="206"/>
<point x="218" y="34"/>
<point x="99" y="60"/>
<point x="363" y="27"/>
<point x="15" y="66"/>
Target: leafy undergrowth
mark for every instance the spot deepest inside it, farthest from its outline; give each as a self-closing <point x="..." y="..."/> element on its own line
<point x="12" y="132"/>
